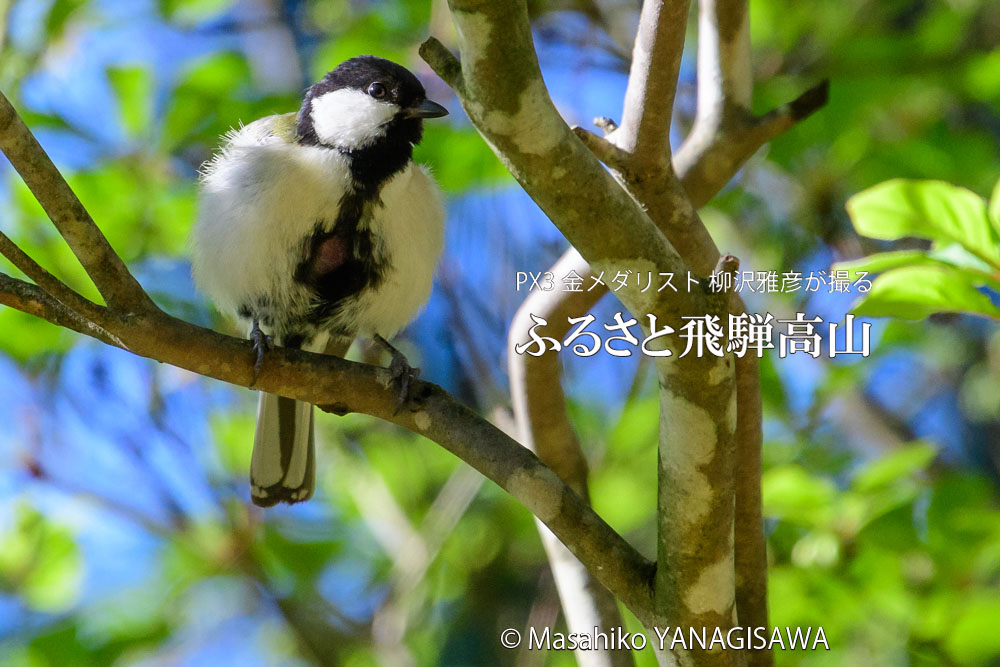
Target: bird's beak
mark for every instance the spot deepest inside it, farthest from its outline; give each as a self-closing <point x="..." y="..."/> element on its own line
<point x="425" y="109"/>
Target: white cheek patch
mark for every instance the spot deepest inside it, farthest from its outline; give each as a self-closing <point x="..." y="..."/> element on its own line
<point x="350" y="118"/>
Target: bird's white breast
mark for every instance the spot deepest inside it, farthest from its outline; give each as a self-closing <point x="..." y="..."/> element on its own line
<point x="408" y="228"/>
<point x="260" y="199"/>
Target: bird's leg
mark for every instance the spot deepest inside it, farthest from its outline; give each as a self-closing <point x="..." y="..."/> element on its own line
<point x="261" y="343"/>
<point x="401" y="370"/>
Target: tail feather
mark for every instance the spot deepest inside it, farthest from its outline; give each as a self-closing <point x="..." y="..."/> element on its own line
<point x="283" y="467"/>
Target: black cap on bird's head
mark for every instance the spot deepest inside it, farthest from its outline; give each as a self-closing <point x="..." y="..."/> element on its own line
<point x="364" y="102"/>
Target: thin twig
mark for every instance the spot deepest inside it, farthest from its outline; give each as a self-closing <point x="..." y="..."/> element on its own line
<point x="55" y="287"/>
<point x="606" y="152"/>
<point x="33" y="300"/>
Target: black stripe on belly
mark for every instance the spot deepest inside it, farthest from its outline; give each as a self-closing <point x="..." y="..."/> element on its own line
<point x="358" y="271"/>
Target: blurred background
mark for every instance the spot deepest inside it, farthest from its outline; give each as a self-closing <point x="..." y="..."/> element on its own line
<point x="126" y="535"/>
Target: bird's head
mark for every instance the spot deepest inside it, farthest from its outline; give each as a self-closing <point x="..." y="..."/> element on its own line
<point x="364" y="101"/>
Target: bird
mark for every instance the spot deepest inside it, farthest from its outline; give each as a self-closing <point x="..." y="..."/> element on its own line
<point x="314" y="228"/>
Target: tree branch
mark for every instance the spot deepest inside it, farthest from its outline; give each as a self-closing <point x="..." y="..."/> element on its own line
<point x="503" y="93"/>
<point x="109" y="273"/>
<point x="52" y="285"/>
<point x="33" y="300"/>
<point x="652" y="82"/>
<point x="543" y="426"/>
<point x="705" y="163"/>
<point x="607" y="152"/>
<point x="724" y="73"/>
<point x="507" y="101"/>
<point x="341" y="386"/>
<point x="719" y="145"/>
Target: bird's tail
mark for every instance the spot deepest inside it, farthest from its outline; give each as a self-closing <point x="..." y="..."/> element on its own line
<point x="283" y="467"/>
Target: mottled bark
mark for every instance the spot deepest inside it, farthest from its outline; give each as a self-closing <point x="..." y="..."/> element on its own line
<point x="725" y="135"/>
<point x="500" y="87"/>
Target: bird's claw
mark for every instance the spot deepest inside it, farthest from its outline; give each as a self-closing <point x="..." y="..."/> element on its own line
<point x="401" y="372"/>
<point x="261" y="343"/>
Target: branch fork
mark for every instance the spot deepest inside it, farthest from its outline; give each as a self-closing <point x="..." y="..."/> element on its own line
<point x="668" y="188"/>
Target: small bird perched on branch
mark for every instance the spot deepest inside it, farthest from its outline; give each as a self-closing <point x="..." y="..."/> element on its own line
<point x="314" y="228"/>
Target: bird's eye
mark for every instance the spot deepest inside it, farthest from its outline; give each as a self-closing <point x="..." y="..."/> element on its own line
<point x="376" y="90"/>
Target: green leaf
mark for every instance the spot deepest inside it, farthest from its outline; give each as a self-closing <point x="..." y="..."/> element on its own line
<point x="819" y="549"/>
<point x="622" y="495"/>
<point x="133" y="85"/>
<point x="191" y="12"/>
<point x="36" y="120"/>
<point x="25" y="337"/>
<point x="790" y="492"/>
<point x="54" y="582"/>
<point x="300" y="558"/>
<point x="636" y="429"/>
<point x="233" y="433"/>
<point x="897" y="465"/>
<point x="933" y="210"/>
<point x="959" y="505"/>
<point x="950" y="255"/>
<point x="59" y="16"/>
<point x="956" y="255"/>
<point x="135" y="612"/>
<point x="994" y="209"/>
<point x="357" y="37"/>
<point x="117" y="195"/>
<point x="915" y="292"/>
<point x="204" y="92"/>
<point x="884" y="261"/>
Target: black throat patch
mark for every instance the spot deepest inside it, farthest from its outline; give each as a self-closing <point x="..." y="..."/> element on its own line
<point x="379" y="161"/>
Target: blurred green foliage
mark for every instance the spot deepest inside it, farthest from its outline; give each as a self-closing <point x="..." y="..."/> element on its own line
<point x="964" y="253"/>
<point x="41" y="562"/>
<point x="899" y="565"/>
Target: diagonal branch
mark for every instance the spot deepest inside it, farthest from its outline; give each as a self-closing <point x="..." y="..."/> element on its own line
<point x="55" y="287"/>
<point x="109" y="273"/>
<point x="33" y="300"/>
<point x="341" y="387"/>
<point x="721" y="144"/>
<point x="501" y="89"/>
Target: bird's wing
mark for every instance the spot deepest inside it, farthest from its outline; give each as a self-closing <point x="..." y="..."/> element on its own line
<point x="277" y="129"/>
<point x="270" y="129"/>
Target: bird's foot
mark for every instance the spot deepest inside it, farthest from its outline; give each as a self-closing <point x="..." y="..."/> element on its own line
<point x="261" y="343"/>
<point x="401" y="371"/>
